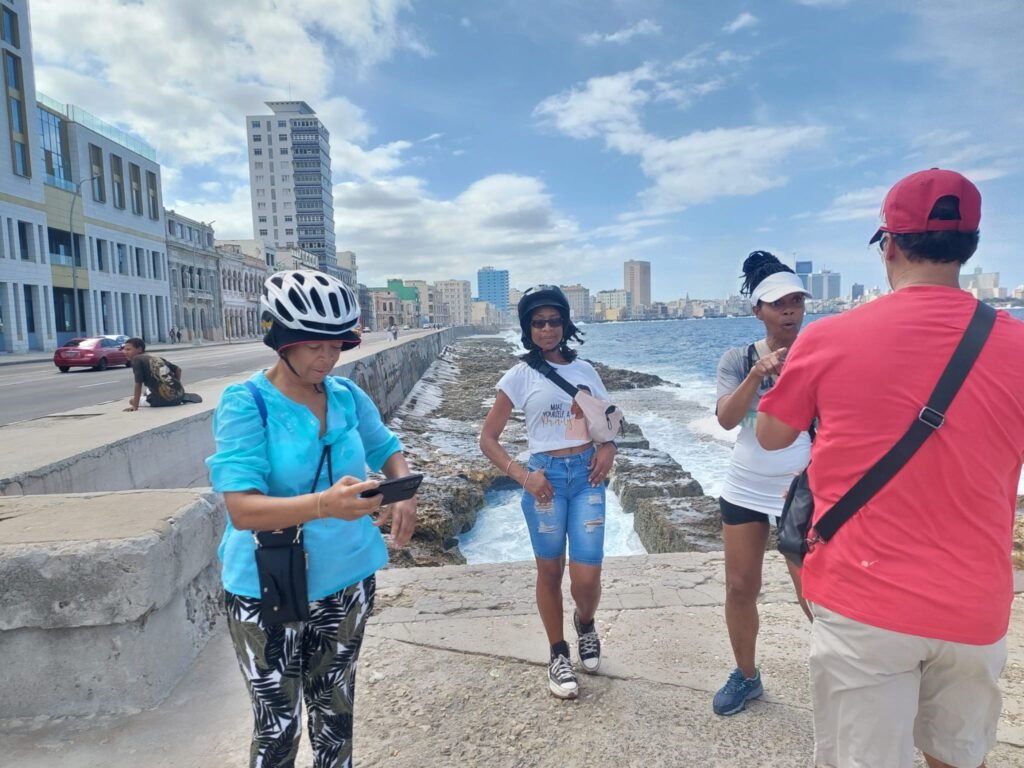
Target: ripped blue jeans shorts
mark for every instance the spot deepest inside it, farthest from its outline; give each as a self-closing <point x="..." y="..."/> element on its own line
<point x="576" y="513"/>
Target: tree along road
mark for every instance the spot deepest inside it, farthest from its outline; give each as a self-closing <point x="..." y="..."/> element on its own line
<point x="32" y="390"/>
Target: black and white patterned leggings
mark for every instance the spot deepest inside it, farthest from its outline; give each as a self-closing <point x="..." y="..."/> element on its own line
<point x="313" y="660"/>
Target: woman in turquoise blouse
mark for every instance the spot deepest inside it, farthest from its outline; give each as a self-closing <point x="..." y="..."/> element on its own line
<point x="293" y="445"/>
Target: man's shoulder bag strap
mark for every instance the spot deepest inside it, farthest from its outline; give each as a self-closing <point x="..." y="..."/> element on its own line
<point x="930" y="418"/>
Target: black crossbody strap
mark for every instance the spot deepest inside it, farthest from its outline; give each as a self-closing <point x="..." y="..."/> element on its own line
<point x="546" y="368"/>
<point x="925" y="424"/>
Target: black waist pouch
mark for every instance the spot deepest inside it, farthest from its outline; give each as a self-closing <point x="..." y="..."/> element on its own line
<point x="281" y="565"/>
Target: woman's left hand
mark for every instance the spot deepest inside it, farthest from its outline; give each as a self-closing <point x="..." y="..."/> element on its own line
<point x="601" y="463"/>
<point x="402" y="516"/>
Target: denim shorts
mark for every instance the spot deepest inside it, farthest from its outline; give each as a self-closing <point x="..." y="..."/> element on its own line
<point x="576" y="513"/>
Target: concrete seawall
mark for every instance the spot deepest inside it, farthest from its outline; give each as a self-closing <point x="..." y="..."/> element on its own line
<point x="111" y="586"/>
<point x="99" y="448"/>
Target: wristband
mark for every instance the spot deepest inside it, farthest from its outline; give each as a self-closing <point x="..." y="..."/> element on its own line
<point x="509" y="465"/>
<point x="319" y="514"/>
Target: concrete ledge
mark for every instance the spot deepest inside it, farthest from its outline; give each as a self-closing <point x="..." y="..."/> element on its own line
<point x="102" y="448"/>
<point x="107" y="598"/>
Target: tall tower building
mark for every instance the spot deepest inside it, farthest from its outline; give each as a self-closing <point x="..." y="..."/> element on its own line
<point x="637" y="280"/>
<point x="492" y="286"/>
<point x="803" y="271"/>
<point x="290" y="180"/>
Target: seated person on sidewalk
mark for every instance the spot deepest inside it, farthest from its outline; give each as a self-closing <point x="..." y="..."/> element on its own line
<point x="162" y="378"/>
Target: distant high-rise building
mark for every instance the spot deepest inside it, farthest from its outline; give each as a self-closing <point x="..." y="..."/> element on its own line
<point x="803" y="271"/>
<point x="492" y="286"/>
<point x="514" y="295"/>
<point x="290" y="180"/>
<point x="456" y="299"/>
<point x="983" y="285"/>
<point x="579" y="301"/>
<point x="637" y="281"/>
<point x="826" y="285"/>
<point x="857" y="291"/>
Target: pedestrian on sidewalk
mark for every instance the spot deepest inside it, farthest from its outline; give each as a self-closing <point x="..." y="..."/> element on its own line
<point x="179" y="335"/>
<point x="173" y="338"/>
<point x="159" y="375"/>
<point x="563" y="483"/>
<point x="757" y="480"/>
<point x="911" y="596"/>
<point x="293" y="445"/>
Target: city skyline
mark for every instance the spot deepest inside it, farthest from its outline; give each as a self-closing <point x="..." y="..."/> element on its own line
<point x="678" y="135"/>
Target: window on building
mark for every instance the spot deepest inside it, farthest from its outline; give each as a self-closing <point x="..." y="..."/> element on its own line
<point x="258" y="151"/>
<point x="282" y="137"/>
<point x="170" y="227"/>
<point x="263" y="232"/>
<point x="258" y="165"/>
<point x="262" y="219"/>
<point x="289" y="231"/>
<point x="122" y="258"/>
<point x="135" y="176"/>
<point x="259" y="179"/>
<point x="156" y="264"/>
<point x="153" y="195"/>
<point x="99" y="189"/>
<point x="18" y="124"/>
<point x="181" y="231"/>
<point x="256" y="138"/>
<point x="116" y="181"/>
<point x="283" y="150"/>
<point x="261" y="193"/>
<point x="261" y="206"/>
<point x="287" y="219"/>
<point x="255" y="123"/>
<point x="24" y="233"/>
<point x="10" y="28"/>
<point x="282" y="123"/>
<point x="101" y="255"/>
<point x="140" y="266"/>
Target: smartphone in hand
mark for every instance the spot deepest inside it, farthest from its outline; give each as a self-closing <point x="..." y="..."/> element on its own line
<point x="395" y="489"/>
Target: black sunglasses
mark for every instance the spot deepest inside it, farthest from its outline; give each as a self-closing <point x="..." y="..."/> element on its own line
<point x="554" y="322"/>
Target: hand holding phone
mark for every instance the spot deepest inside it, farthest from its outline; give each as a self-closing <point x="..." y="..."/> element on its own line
<point x="395" y="489"/>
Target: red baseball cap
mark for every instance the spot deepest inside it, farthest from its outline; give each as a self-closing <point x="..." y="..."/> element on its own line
<point x="909" y="204"/>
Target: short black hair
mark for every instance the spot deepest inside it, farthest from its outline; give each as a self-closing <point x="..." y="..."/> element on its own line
<point x="136" y="342"/>
<point x="943" y="247"/>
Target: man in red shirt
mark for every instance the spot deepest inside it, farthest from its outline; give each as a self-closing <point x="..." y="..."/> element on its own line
<point x="911" y="598"/>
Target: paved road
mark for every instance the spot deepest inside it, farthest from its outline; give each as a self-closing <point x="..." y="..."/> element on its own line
<point x="32" y="390"/>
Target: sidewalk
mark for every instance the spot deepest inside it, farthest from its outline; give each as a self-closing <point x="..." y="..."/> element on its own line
<point x="453" y="673"/>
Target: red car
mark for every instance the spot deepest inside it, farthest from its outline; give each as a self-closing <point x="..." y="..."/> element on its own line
<point x="98" y="353"/>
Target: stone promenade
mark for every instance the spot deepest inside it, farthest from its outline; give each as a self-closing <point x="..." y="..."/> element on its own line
<point x="453" y="674"/>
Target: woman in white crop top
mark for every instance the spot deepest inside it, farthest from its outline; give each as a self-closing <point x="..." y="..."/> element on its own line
<point x="563" y="483"/>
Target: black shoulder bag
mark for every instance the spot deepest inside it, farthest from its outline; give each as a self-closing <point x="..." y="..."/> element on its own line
<point x="794" y="534"/>
<point x="280" y="555"/>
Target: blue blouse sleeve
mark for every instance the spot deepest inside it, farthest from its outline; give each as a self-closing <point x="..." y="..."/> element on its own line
<point x="241" y="462"/>
<point x="379" y="442"/>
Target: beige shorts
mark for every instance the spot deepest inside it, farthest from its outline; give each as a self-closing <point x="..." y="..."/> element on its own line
<point x="877" y="694"/>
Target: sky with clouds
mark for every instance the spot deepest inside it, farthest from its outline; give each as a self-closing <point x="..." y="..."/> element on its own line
<point x="557" y="139"/>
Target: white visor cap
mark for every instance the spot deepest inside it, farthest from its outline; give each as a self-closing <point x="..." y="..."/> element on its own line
<point x="777" y="285"/>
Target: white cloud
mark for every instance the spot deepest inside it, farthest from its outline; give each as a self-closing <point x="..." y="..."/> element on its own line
<point x="856" y="205"/>
<point x="642" y="27"/>
<point x="603" y="105"/>
<point x="743" y="21"/>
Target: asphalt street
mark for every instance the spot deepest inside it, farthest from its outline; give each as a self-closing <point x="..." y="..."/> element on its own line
<point x="32" y="390"/>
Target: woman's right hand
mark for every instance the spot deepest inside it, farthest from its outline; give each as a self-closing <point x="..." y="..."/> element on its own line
<point x="770" y="365"/>
<point x="342" y="500"/>
<point x="536" y="483"/>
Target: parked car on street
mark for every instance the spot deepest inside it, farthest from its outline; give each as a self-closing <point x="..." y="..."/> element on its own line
<point x="120" y="338"/>
<point x="99" y="352"/>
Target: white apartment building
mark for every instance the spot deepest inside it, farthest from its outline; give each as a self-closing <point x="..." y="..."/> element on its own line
<point x="107" y="193"/>
<point x="296" y="258"/>
<point x="455" y="299"/>
<point x="636" y="278"/>
<point x="485" y="313"/>
<point x="244" y="265"/>
<point x="290" y="180"/>
<point x="196" y="307"/>
<point x="26" y="287"/>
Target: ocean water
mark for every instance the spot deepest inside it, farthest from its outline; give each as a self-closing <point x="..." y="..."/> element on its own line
<point x="676" y="419"/>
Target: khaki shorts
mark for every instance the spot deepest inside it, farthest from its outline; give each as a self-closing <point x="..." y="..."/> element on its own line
<point x="877" y="694"/>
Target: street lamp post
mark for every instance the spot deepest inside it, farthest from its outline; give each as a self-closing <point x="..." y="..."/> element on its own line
<point x="74" y="261"/>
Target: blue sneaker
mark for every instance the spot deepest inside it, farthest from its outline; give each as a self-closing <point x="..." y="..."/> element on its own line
<point x="737" y="691"/>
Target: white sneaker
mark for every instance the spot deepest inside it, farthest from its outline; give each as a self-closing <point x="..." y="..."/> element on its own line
<point x="589" y="646"/>
<point x="561" y="678"/>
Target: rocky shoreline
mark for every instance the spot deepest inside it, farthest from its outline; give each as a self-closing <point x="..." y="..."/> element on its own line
<point x="440" y="425"/>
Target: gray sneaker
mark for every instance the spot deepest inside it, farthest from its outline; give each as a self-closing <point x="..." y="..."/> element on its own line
<point x="561" y="678"/>
<point x="191" y="397"/>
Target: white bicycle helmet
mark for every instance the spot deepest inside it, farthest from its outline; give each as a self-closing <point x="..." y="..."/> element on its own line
<point x="309" y="301"/>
